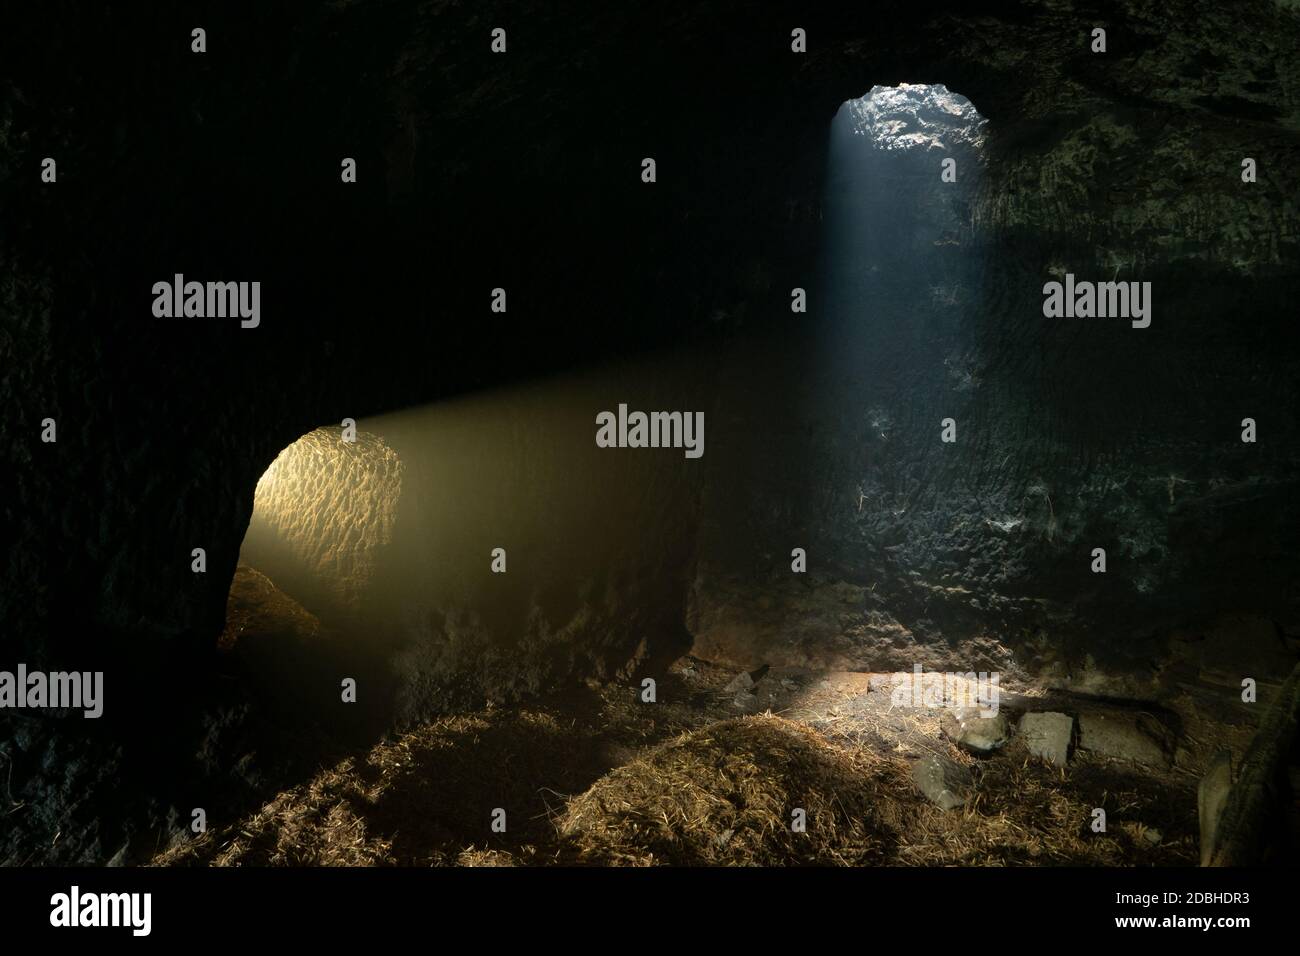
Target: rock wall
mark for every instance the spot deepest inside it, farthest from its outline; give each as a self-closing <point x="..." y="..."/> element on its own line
<point x="1071" y="434"/>
<point x="523" y="171"/>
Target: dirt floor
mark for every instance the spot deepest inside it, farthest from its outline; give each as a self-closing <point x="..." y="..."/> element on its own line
<point x="705" y="776"/>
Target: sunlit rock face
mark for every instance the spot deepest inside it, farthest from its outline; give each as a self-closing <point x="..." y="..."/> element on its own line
<point x="321" y="515"/>
<point x="914" y="116"/>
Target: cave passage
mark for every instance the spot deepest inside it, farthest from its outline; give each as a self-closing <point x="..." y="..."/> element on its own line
<point x="322" y="512"/>
<point x="669" y="434"/>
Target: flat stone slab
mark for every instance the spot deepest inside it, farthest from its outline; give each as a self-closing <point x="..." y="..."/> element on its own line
<point x="741" y="682"/>
<point x="1211" y="797"/>
<point x="944" y="782"/>
<point x="973" y="733"/>
<point x="1135" y="737"/>
<point x="1047" y="735"/>
<point x="746" y="680"/>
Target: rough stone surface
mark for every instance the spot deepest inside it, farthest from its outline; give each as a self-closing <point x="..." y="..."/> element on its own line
<point x="1047" y="735"/>
<point x="741" y="682"/>
<point x="476" y="172"/>
<point x="322" y="513"/>
<point x="944" y="782"/>
<point x="973" y="733"/>
<point x="1126" y="736"/>
<point x="1211" y="797"/>
<point x="1237" y="646"/>
<point x="911" y="540"/>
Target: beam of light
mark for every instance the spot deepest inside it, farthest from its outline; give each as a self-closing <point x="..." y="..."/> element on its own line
<point x="487" y="543"/>
<point x="899" y="277"/>
<point x="898" y="349"/>
<point x="891" y="224"/>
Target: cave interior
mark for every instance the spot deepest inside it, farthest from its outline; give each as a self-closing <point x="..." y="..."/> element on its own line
<point x="428" y="601"/>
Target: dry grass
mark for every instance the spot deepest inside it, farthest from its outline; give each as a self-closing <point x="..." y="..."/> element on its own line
<point x="423" y="799"/>
<point x="725" y="795"/>
<point x="744" y="776"/>
<point x="1026" y="812"/>
<point x="617" y="782"/>
<point x="316" y="824"/>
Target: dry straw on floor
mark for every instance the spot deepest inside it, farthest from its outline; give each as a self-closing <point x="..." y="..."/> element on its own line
<point x="728" y="795"/>
<point x="722" y="794"/>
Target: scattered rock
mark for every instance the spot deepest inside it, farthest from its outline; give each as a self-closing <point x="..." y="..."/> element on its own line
<point x="1152" y="836"/>
<point x="746" y="680"/>
<point x="741" y="682"/>
<point x="1136" y="737"/>
<point x="1047" y="735"/>
<point x="746" y="700"/>
<point x="944" y="782"/>
<point x="121" y="857"/>
<point x="973" y="733"/>
<point x="1211" y="797"/>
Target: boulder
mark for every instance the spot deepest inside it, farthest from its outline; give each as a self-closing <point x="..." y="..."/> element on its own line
<point x="973" y="733"/>
<point x="945" y="783"/>
<point x="1126" y="736"/>
<point x="741" y="683"/>
<point x="1211" y="796"/>
<point x="1047" y="735"/>
<point x="747" y="680"/>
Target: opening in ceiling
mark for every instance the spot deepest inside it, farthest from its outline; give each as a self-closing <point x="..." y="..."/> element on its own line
<point x="914" y="116"/>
